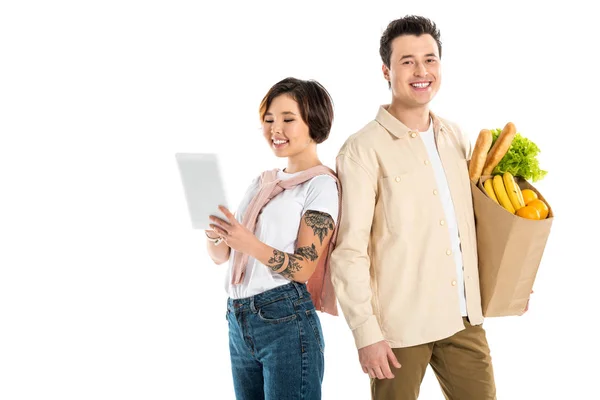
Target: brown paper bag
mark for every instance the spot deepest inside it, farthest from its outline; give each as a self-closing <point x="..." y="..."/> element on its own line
<point x="510" y="250"/>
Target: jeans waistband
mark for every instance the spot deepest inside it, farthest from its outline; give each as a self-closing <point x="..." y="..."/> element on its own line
<point x="292" y="290"/>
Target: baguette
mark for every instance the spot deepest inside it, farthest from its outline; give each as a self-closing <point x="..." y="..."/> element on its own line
<point x="480" y="151"/>
<point x="499" y="148"/>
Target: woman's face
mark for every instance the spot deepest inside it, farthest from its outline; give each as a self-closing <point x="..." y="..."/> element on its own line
<point x="284" y="129"/>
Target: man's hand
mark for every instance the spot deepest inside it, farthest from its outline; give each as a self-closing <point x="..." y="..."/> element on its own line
<point x="375" y="360"/>
<point x="236" y="235"/>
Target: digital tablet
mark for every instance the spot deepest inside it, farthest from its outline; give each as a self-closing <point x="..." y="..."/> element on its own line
<point x="203" y="187"/>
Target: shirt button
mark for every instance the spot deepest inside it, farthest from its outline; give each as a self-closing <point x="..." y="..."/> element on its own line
<point x="413" y="134"/>
<point x="442" y="222"/>
<point x="468" y="276"/>
<point x="448" y="252"/>
<point x="397" y="179"/>
<point x="426" y="162"/>
<point x="435" y="192"/>
<point x="453" y="283"/>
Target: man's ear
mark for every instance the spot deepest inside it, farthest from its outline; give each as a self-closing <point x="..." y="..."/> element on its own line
<point x="386" y="72"/>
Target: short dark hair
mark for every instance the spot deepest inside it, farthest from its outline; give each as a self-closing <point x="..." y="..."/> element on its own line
<point x="408" y="25"/>
<point x="314" y="102"/>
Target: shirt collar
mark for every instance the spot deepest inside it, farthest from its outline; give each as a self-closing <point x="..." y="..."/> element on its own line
<point x="398" y="129"/>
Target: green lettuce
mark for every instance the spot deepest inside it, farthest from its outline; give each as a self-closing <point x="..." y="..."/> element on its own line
<point x="520" y="159"/>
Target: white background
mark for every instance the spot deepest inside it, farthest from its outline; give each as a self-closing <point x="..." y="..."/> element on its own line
<point x="105" y="290"/>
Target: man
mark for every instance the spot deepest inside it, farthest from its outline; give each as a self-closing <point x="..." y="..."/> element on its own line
<point x="405" y="265"/>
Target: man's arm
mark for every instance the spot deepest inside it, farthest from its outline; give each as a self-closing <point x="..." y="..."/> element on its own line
<point x="350" y="267"/>
<point x="350" y="262"/>
<point x="465" y="141"/>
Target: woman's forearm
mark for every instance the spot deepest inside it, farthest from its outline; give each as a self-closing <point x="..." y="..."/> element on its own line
<point x="297" y="266"/>
<point x="219" y="253"/>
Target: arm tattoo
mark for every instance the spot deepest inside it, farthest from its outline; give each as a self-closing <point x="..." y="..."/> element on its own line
<point x="320" y="222"/>
<point x="277" y="260"/>
<point x="293" y="260"/>
<point x="308" y="253"/>
<point x="292" y="266"/>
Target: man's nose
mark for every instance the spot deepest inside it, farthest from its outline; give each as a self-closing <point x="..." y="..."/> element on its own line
<point x="420" y="69"/>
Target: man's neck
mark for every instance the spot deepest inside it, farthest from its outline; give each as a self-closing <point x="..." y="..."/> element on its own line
<point x="414" y="118"/>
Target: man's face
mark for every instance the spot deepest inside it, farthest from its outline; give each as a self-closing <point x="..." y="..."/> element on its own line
<point x="414" y="72"/>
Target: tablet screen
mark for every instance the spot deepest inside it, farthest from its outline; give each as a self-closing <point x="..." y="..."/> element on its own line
<point x="203" y="187"/>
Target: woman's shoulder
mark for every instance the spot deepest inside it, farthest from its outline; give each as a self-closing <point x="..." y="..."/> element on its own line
<point x="323" y="180"/>
<point x="255" y="181"/>
<point x="253" y="186"/>
<point x="322" y="183"/>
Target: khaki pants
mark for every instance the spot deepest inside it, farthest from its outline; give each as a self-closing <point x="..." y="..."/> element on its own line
<point x="461" y="363"/>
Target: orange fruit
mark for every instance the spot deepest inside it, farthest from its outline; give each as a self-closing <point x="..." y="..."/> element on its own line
<point x="540" y="206"/>
<point x="528" y="195"/>
<point x="528" y="212"/>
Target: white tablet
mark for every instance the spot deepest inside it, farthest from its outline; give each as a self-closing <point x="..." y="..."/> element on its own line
<point x="203" y="187"/>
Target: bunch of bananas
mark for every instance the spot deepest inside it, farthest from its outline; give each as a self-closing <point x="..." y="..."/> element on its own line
<point x="504" y="190"/>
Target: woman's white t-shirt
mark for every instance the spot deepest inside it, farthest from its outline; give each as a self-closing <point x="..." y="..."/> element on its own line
<point x="278" y="226"/>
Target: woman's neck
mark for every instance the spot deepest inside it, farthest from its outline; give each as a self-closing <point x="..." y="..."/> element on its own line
<point x="302" y="162"/>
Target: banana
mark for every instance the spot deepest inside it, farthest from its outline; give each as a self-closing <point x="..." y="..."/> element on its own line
<point x="501" y="194"/>
<point x="513" y="190"/>
<point x="489" y="189"/>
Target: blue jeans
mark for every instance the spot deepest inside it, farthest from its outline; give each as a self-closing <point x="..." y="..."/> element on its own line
<point x="276" y="345"/>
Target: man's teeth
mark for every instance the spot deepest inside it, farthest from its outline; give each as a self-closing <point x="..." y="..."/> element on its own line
<point x="280" y="141"/>
<point x="421" y="85"/>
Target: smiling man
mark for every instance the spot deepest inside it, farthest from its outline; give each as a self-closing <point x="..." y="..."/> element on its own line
<point x="405" y="265"/>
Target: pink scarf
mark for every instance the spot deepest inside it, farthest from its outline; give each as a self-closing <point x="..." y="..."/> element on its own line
<point x="319" y="285"/>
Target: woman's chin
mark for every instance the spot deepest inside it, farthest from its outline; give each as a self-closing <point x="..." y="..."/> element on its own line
<point x="281" y="153"/>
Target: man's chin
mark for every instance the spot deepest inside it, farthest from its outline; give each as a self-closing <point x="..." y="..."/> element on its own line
<point x="414" y="103"/>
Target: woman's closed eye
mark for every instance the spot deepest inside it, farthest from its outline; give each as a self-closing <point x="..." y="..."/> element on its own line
<point x="268" y="121"/>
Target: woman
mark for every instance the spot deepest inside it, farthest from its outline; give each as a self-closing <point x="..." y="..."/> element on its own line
<point x="279" y="241"/>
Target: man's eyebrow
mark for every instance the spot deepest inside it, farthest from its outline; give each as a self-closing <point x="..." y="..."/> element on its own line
<point x="412" y="56"/>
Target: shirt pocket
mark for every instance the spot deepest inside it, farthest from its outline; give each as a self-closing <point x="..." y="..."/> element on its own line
<point x="402" y="196"/>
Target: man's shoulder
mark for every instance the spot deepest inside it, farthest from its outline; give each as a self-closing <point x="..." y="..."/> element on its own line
<point x="362" y="139"/>
<point x="460" y="137"/>
<point x="450" y="125"/>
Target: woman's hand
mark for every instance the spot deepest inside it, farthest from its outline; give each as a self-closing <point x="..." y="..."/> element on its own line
<point x="236" y="235"/>
<point x="211" y="234"/>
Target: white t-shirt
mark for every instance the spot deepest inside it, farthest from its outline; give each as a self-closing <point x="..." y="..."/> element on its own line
<point x="278" y="226"/>
<point x="446" y="198"/>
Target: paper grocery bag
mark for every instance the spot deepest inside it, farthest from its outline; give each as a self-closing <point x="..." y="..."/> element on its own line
<point x="510" y="250"/>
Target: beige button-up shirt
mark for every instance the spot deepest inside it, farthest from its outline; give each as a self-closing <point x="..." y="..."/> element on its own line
<point x="393" y="268"/>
